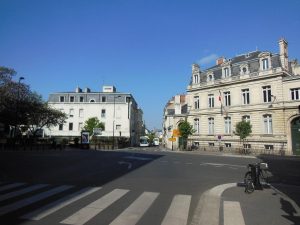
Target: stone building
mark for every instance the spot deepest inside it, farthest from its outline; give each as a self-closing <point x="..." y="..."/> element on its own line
<point x="118" y="111"/>
<point x="261" y="87"/>
<point x="175" y="111"/>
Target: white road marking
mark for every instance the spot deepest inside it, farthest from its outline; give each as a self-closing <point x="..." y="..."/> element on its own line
<point x="221" y="164"/>
<point x="233" y="214"/>
<point x="55" y="206"/>
<point x="9" y="186"/>
<point x="22" y="191"/>
<point x="207" y="211"/>
<point x="137" y="158"/>
<point x="28" y="201"/>
<point x="136" y="210"/>
<point x="127" y="163"/>
<point x="178" y="211"/>
<point x="91" y="210"/>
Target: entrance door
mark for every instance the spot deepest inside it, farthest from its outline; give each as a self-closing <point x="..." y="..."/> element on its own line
<point x="295" y="131"/>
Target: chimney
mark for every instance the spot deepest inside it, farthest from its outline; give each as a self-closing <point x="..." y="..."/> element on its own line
<point x="195" y="68"/>
<point x="220" y="60"/>
<point x="78" y="90"/>
<point x="283" y="52"/>
<point x="87" y="90"/>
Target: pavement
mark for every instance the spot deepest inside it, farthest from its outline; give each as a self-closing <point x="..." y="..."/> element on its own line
<point x="255" y="208"/>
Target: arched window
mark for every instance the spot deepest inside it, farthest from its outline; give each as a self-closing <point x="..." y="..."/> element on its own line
<point x="92" y="100"/>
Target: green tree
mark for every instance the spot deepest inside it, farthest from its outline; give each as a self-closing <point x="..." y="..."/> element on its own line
<point x="185" y="129"/>
<point x="151" y="136"/>
<point x="21" y="106"/>
<point x="243" y="129"/>
<point x="92" y="123"/>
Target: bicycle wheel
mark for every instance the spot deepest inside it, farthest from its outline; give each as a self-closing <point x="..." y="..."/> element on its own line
<point x="249" y="185"/>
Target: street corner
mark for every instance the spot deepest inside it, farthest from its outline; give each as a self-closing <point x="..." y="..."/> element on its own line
<point x="274" y="205"/>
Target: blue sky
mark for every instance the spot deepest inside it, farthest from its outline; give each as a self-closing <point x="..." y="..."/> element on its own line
<point x="142" y="47"/>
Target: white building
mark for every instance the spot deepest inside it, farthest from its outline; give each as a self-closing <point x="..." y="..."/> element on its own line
<point x="118" y="111"/>
<point x="175" y="112"/>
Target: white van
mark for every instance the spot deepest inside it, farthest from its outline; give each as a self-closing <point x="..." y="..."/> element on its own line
<point x="156" y="141"/>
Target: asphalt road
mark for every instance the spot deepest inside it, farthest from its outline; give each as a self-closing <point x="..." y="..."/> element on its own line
<point x="149" y="187"/>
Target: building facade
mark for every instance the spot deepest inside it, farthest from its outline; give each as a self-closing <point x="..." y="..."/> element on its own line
<point x="118" y="111"/>
<point x="175" y="111"/>
<point x="260" y="87"/>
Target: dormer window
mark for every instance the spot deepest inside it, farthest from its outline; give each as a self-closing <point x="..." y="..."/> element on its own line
<point x="196" y="79"/>
<point x="226" y="70"/>
<point x="265" y="64"/>
<point x="210" y="77"/>
<point x="265" y="61"/>
<point x="244" y="69"/>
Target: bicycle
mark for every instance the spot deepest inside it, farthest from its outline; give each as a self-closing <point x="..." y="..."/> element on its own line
<point x="253" y="177"/>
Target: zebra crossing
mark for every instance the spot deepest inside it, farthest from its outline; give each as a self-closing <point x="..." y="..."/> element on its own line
<point x="20" y="198"/>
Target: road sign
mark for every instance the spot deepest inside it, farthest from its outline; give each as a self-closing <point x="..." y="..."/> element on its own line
<point x="176" y="133"/>
<point x="172" y="139"/>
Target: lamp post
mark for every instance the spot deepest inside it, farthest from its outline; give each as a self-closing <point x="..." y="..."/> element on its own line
<point x="17" y="104"/>
<point x="113" y="145"/>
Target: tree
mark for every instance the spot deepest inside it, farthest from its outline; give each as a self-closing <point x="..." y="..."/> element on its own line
<point x="92" y="123"/>
<point x="43" y="116"/>
<point x="243" y="129"/>
<point x="21" y="106"/>
<point x="185" y="129"/>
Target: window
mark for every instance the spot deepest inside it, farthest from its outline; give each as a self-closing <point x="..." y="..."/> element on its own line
<point x="81" y="98"/>
<point x="227" y="125"/>
<point x="92" y="100"/>
<point x="103" y="99"/>
<point x="80" y="126"/>
<point x="226" y="72"/>
<point x="211" y="101"/>
<point x="60" y="127"/>
<point x="247" y="146"/>
<point x="72" y="98"/>
<point x="227" y="145"/>
<point x="103" y="112"/>
<point x="196" y="79"/>
<point x="246" y="118"/>
<point x="268" y="124"/>
<point x="245" y="96"/>
<point x="265" y="64"/>
<point x="269" y="147"/>
<point x="211" y="144"/>
<point x="210" y="77"/>
<point x="295" y="93"/>
<point x="71" y="112"/>
<point x="211" y="125"/>
<point x="196" y="126"/>
<point x="227" y="98"/>
<point x="267" y="95"/>
<point x="80" y="113"/>
<point x="70" y="126"/>
<point x="197" y="102"/>
<point x="61" y="98"/>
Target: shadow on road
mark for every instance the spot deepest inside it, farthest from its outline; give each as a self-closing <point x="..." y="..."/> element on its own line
<point x="285" y="178"/>
<point x="78" y="167"/>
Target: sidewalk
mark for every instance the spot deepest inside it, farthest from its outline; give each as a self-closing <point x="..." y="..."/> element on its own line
<point x="267" y="206"/>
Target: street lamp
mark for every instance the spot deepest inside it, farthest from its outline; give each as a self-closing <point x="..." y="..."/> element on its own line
<point x="113" y="146"/>
<point x="17" y="104"/>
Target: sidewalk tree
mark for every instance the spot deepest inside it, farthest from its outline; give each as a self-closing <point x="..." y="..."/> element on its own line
<point x="243" y="129"/>
<point x="92" y="123"/>
<point x="185" y="129"/>
<point x="21" y="106"/>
